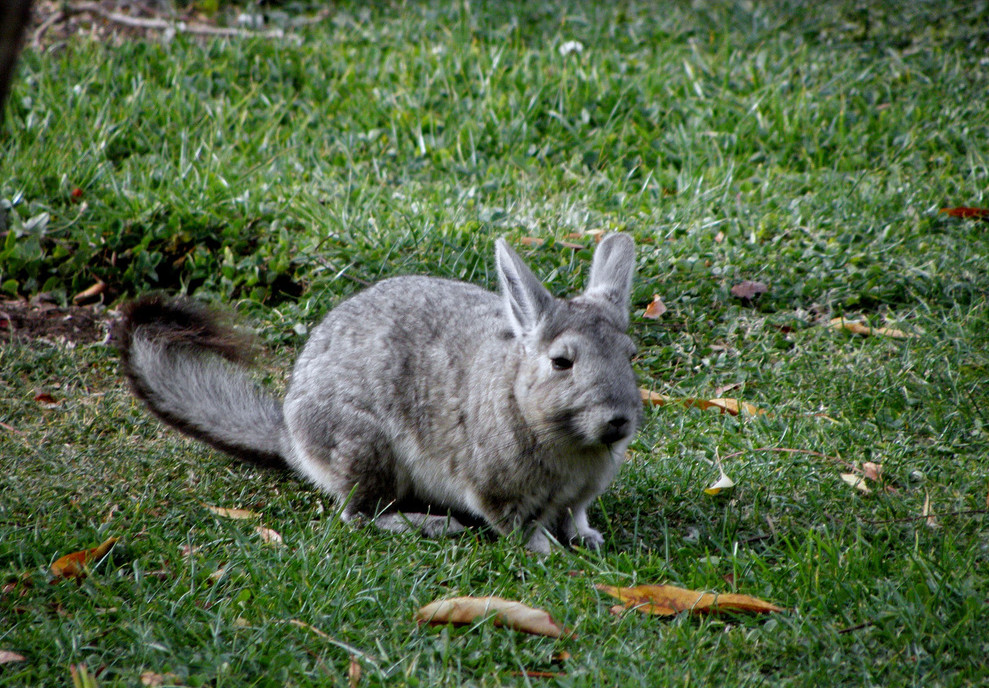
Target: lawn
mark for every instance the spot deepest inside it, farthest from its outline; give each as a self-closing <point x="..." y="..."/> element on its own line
<point x="807" y="149"/>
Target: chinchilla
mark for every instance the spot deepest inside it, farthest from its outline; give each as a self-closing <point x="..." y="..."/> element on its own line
<point x="513" y="409"/>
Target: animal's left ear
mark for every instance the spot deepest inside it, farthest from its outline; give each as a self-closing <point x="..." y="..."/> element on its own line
<point x="612" y="270"/>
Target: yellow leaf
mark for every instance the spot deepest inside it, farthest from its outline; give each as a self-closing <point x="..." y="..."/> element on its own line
<point x="655" y="309"/>
<point x="856" y="481"/>
<point x="724" y="483"/>
<point x="669" y="600"/>
<point x="74" y="565"/>
<point x="856" y="327"/>
<point x="232" y="513"/>
<point x="508" y="613"/>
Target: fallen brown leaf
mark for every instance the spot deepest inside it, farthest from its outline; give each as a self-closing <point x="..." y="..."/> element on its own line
<point x="354" y="672"/>
<point x="730" y="406"/>
<point x="232" y="513"/>
<point x="669" y="600"/>
<point x="966" y="212"/>
<point x="508" y="613"/>
<point x="74" y="565"/>
<point x="8" y="657"/>
<point x="268" y="535"/>
<point x="872" y="471"/>
<point x="45" y="399"/>
<point x="655" y="309"/>
<point x="89" y="293"/>
<point x="748" y="290"/>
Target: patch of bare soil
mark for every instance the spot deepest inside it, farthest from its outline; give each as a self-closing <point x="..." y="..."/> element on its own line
<point x="114" y="21"/>
<point x="22" y="321"/>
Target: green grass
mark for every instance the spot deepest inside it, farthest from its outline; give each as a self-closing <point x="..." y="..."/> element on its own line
<point x="808" y="149"/>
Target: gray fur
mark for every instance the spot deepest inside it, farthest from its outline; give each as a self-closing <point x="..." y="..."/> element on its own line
<point x="515" y="408"/>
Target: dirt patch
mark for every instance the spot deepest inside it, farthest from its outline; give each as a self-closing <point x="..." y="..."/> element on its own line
<point x="22" y="321"/>
<point x="54" y="22"/>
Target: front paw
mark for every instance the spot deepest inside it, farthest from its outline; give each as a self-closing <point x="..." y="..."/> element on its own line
<point x="590" y="538"/>
<point x="539" y="542"/>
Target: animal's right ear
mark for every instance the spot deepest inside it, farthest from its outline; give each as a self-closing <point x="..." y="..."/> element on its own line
<point x="612" y="270"/>
<point x="527" y="301"/>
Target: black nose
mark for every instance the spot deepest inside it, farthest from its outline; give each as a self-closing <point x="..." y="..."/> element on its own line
<point x="616" y="429"/>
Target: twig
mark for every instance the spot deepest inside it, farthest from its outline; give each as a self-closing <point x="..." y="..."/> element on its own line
<point x="10" y="428"/>
<point x="42" y="29"/>
<point x="907" y="519"/>
<point x="856" y="627"/>
<point x="795" y="451"/>
<point x="155" y="24"/>
<point x="333" y="641"/>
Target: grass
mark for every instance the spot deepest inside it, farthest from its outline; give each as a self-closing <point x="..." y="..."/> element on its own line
<point x="808" y="150"/>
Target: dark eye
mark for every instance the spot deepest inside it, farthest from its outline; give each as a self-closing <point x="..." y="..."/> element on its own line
<point x="561" y="363"/>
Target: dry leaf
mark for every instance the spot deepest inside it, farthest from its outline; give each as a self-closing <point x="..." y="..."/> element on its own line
<point x="748" y="290"/>
<point x="860" y="328"/>
<point x="654" y="398"/>
<point x="856" y="481"/>
<point x="926" y="511"/>
<point x="730" y="406"/>
<point x="153" y="680"/>
<point x="508" y="613"/>
<point x="719" y="237"/>
<point x="529" y="673"/>
<point x="7" y="657"/>
<point x="723" y="483"/>
<point x="45" y="399"/>
<point x="964" y="211"/>
<point x="669" y="600"/>
<point x="872" y="471"/>
<point x="354" y="672"/>
<point x="89" y="293"/>
<point x="74" y="565"/>
<point x="232" y="513"/>
<point x="655" y="309"/>
<point x="268" y="535"/>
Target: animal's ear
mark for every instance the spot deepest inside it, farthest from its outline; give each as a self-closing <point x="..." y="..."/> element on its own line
<point x="527" y="301"/>
<point x="611" y="275"/>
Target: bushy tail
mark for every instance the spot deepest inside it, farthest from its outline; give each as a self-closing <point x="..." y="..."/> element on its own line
<point x="187" y="363"/>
